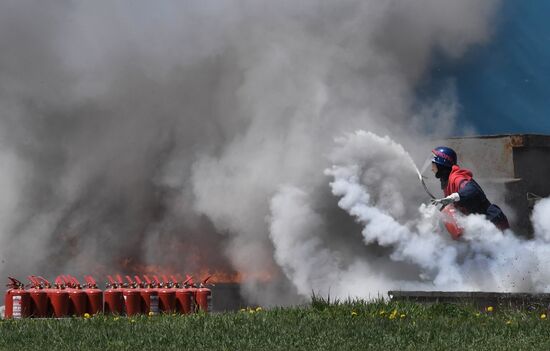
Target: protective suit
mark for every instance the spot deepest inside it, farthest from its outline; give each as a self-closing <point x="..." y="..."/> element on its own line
<point x="472" y="199"/>
<point x="462" y="190"/>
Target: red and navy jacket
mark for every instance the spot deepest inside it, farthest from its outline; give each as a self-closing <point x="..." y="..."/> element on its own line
<point x="457" y="180"/>
<point x="472" y="197"/>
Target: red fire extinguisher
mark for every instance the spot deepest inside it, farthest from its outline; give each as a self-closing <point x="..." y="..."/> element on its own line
<point x="185" y="296"/>
<point x="77" y="297"/>
<point x="132" y="298"/>
<point x="94" y="296"/>
<point x="113" y="302"/>
<point x="17" y="300"/>
<point x="203" y="297"/>
<point x="167" y="296"/>
<point x="149" y="297"/>
<point x="58" y="298"/>
<point x="450" y="215"/>
<point x="39" y="298"/>
<point x="170" y="285"/>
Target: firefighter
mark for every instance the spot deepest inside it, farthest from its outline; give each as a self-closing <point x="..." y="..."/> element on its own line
<point x="461" y="189"/>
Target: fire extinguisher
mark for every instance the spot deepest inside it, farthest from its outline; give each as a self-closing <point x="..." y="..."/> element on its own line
<point x="39" y="298"/>
<point x="17" y="300"/>
<point x="58" y="298"/>
<point x="77" y="297"/>
<point x="113" y="302"/>
<point x="132" y="298"/>
<point x="203" y="297"/>
<point x="185" y="296"/>
<point x="170" y="285"/>
<point x="167" y="296"/>
<point x="450" y="215"/>
<point x="149" y="297"/>
<point x="94" y="296"/>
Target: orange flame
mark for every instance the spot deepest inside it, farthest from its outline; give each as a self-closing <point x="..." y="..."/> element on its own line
<point x="216" y="275"/>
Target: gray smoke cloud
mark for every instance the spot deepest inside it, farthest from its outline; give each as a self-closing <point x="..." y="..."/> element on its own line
<point x="182" y="134"/>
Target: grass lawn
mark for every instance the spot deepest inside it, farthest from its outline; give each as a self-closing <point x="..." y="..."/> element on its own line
<point x="342" y="326"/>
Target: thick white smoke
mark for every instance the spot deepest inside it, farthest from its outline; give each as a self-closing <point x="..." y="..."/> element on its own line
<point x="485" y="258"/>
<point x="187" y="134"/>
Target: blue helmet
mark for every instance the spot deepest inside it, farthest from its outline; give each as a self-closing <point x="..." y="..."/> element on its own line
<point x="444" y="156"/>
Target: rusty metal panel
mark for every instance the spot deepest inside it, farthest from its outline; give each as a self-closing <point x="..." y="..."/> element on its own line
<point x="535" y="141"/>
<point x="487" y="157"/>
<point x="517" y="140"/>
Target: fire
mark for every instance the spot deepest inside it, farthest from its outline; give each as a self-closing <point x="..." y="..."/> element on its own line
<point x="234" y="277"/>
<point x="214" y="275"/>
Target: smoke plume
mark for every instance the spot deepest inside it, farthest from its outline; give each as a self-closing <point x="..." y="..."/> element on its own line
<point x="192" y="134"/>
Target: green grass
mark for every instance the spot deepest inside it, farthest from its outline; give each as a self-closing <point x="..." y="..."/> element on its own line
<point x="321" y="326"/>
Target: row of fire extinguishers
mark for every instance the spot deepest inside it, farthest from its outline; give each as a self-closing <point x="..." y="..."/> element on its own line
<point x="67" y="297"/>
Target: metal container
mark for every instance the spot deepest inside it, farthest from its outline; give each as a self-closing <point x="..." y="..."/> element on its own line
<point x="17" y="300"/>
<point x="132" y="298"/>
<point x="167" y="296"/>
<point x="94" y="296"/>
<point x="449" y="220"/>
<point x="39" y="298"/>
<point x="113" y="302"/>
<point x="77" y="296"/>
<point x="58" y="298"/>
<point x="203" y="297"/>
<point x="185" y="297"/>
<point x="149" y="297"/>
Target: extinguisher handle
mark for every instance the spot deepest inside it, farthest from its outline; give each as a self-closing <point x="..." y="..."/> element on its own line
<point x="33" y="281"/>
<point x="129" y="279"/>
<point x="189" y="280"/>
<point x="111" y="280"/>
<point x="147" y="279"/>
<point x="14" y="283"/>
<point x="75" y="281"/>
<point x="136" y="277"/>
<point x="58" y="280"/>
<point x="92" y="280"/>
<point x="44" y="280"/>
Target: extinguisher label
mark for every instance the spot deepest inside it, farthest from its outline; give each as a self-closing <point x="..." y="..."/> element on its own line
<point x="17" y="308"/>
<point x="154" y="303"/>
